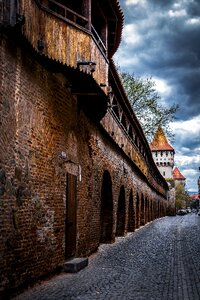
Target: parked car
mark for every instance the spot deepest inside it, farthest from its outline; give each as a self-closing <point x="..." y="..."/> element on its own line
<point x="181" y="212"/>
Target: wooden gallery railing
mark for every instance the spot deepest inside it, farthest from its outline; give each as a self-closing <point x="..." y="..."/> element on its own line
<point x="66" y="14"/>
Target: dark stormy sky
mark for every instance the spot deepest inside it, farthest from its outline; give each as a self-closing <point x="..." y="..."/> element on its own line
<point x="161" y="39"/>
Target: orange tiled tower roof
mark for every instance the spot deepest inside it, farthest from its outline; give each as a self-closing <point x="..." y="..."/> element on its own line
<point x="160" y="142"/>
<point x="177" y="174"/>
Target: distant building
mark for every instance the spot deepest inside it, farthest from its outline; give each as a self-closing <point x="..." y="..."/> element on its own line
<point x="194" y="197"/>
<point x="178" y="177"/>
<point x="195" y="200"/>
<point x="163" y="154"/>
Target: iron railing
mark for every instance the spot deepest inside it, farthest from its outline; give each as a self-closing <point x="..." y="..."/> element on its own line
<point x="98" y="40"/>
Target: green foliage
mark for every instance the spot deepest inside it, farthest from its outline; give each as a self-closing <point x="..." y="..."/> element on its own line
<point x="171" y="182"/>
<point x="146" y="103"/>
<point x="194" y="204"/>
<point x="182" y="197"/>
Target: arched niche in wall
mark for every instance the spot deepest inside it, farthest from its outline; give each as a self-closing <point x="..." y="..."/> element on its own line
<point x="137" y="213"/>
<point x="142" y="212"/>
<point x="106" y="209"/>
<point x="131" y="213"/>
<point x="121" y="213"/>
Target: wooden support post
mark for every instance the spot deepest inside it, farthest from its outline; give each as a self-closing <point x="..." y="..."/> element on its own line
<point x="8" y="12"/>
<point x="87" y="12"/>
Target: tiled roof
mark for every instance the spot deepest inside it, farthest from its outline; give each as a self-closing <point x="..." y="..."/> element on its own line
<point x="160" y="142"/>
<point x="119" y="26"/>
<point x="195" y="196"/>
<point x="177" y="174"/>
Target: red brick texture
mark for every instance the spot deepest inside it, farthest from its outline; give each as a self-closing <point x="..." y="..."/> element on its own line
<point x="40" y="119"/>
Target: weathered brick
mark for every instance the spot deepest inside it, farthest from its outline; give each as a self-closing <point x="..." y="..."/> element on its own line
<point x="39" y="120"/>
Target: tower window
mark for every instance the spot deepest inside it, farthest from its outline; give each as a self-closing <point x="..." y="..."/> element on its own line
<point x="163" y="173"/>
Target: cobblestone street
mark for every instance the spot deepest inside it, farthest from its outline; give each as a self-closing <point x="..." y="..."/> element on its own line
<point x="159" y="261"/>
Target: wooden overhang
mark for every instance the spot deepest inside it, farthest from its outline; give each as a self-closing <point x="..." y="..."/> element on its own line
<point x="66" y="38"/>
<point x="91" y="99"/>
<point x="12" y="11"/>
<point x="118" y="89"/>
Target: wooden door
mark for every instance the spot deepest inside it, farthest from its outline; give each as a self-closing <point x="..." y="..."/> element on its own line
<point x="70" y="225"/>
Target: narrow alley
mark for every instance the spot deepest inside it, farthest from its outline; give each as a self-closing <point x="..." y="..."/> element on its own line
<point x="159" y="261"/>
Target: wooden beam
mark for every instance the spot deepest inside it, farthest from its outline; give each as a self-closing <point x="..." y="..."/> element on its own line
<point x="86" y="8"/>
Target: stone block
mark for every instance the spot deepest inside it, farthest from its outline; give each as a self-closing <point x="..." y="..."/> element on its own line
<point x="76" y="264"/>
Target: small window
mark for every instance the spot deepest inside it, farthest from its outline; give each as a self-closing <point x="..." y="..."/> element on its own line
<point x="163" y="173"/>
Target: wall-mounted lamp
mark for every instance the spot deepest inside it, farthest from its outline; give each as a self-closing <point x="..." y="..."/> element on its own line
<point x="88" y="66"/>
<point x="40" y="45"/>
<point x="63" y="155"/>
<point x="20" y="19"/>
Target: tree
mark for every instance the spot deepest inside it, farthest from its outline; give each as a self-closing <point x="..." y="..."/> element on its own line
<point x="182" y="197"/>
<point x="146" y="103"/>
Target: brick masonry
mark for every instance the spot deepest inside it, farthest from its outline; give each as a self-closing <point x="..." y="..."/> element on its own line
<point x="40" y="119"/>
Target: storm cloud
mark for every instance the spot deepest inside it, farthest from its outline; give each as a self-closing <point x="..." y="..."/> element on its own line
<point x="161" y="39"/>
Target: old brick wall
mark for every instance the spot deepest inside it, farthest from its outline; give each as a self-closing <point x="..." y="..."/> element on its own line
<point x="39" y="119"/>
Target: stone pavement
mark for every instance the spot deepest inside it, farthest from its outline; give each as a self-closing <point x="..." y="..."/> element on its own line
<point x="159" y="261"/>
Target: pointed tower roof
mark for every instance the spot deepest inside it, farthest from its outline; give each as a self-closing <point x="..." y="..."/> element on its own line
<point x="177" y="174"/>
<point x="160" y="142"/>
